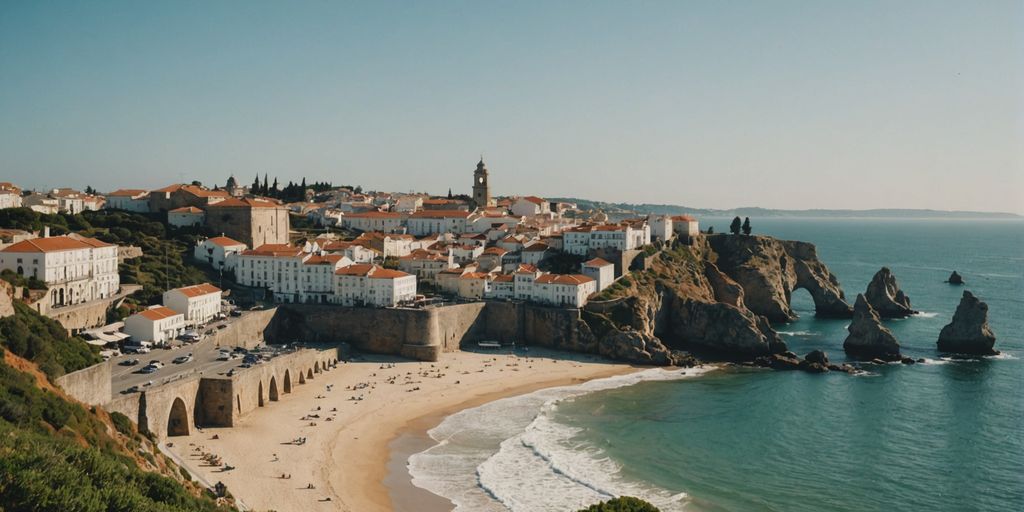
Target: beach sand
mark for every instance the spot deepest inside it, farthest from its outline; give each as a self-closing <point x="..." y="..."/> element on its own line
<point x="347" y="458"/>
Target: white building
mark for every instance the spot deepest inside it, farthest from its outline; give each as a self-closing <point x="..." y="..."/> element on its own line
<point x="215" y="251"/>
<point x="685" y="226"/>
<point x="437" y="221"/>
<point x="661" y="227"/>
<point x="10" y="198"/>
<point x="199" y="304"/>
<point x="186" y="216"/>
<point x="130" y="200"/>
<point x="387" y="222"/>
<point x="425" y="265"/>
<point x="75" y="270"/>
<point x="529" y="284"/>
<point x="316" y="282"/>
<point x="372" y="285"/>
<point x="156" y="324"/>
<point x="351" y="250"/>
<point x="529" y="206"/>
<point x="273" y="266"/>
<point x="601" y="271"/>
<point x="535" y="253"/>
<point x="409" y="203"/>
<point x="622" y="237"/>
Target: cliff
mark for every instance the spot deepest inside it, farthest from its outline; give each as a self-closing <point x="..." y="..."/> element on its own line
<point x="715" y="298"/>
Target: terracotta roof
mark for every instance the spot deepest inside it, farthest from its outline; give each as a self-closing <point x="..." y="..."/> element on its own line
<point x="371" y="271"/>
<point x="420" y="254"/>
<point x="197" y="290"/>
<point x="596" y="262"/>
<point x="247" y="202"/>
<point x="439" y="214"/>
<point x="495" y="250"/>
<point x="527" y="268"/>
<point x="55" y="244"/>
<point x="224" y="241"/>
<point x="127" y="192"/>
<point x="275" y="250"/>
<point x="573" y="279"/>
<point x="683" y="218"/>
<point x="474" y="275"/>
<point x="537" y="247"/>
<point x="534" y="199"/>
<point x="327" y="259"/>
<point x="374" y="215"/>
<point x="194" y="190"/>
<point x="158" y="313"/>
<point x="503" y="278"/>
<point x="186" y="209"/>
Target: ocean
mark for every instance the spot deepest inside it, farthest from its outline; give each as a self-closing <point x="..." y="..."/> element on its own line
<point x="946" y="435"/>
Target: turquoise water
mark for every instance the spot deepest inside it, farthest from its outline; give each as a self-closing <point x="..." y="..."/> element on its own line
<point x="946" y="435"/>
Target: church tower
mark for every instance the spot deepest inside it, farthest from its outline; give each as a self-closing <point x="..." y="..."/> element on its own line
<point x="481" y="190"/>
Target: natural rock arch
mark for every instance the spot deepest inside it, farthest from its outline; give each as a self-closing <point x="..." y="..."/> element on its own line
<point x="177" y="419"/>
<point x="287" y="381"/>
<point x="273" y="389"/>
<point x="260" y="396"/>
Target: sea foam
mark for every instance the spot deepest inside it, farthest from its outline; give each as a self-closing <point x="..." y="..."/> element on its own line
<point x="511" y="455"/>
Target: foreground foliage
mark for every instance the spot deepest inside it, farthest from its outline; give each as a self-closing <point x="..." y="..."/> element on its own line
<point x="622" y="504"/>
<point x="44" y="342"/>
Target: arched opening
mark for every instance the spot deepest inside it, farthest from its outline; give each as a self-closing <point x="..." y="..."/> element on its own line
<point x="309" y="374"/>
<point x="801" y="302"/>
<point x="21" y="271"/>
<point x="273" y="389"/>
<point x="287" y="381"/>
<point x="260" y="400"/>
<point x="238" y="402"/>
<point x="60" y="301"/>
<point x="177" y="420"/>
<point x="316" y="367"/>
<point x="302" y="377"/>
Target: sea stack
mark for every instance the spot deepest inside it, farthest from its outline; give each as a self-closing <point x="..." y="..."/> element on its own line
<point x="955" y="278"/>
<point x="969" y="332"/>
<point x="886" y="297"/>
<point x="868" y="339"/>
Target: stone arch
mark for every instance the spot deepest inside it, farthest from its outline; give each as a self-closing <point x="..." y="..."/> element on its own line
<point x="60" y="301"/>
<point x="260" y="400"/>
<point x="302" y="376"/>
<point x="287" y="381"/>
<point x="316" y="366"/>
<point x="273" y="389"/>
<point x="309" y="373"/>
<point x="177" y="419"/>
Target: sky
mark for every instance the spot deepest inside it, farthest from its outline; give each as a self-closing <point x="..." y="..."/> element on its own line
<point x="709" y="104"/>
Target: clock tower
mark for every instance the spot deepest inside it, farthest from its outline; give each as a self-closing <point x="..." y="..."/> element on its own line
<point x="481" y="190"/>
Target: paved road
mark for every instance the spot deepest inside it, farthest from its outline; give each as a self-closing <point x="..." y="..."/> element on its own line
<point x="204" y="360"/>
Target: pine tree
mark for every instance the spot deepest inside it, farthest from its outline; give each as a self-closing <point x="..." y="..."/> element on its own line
<point x="274" y="188"/>
<point x="303" y="185"/>
<point x="255" y="188"/>
<point x="746" y="226"/>
<point x="711" y="230"/>
<point x="734" y="228"/>
<point x="266" y="187"/>
<point x="449" y="193"/>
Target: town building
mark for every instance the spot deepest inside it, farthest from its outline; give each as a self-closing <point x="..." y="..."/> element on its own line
<point x="10" y="195"/>
<point x="198" y="304"/>
<point x="426" y="222"/>
<point x="215" y="251"/>
<point x="179" y="195"/>
<point x="129" y="200"/>
<point x="581" y="240"/>
<point x="425" y="265"/>
<point x="530" y="206"/>
<point x="685" y="226"/>
<point x="252" y="221"/>
<point x="372" y="285"/>
<point x="75" y="270"/>
<point x="186" y="216"/>
<point x="316" y="281"/>
<point x="386" y="222"/>
<point x="481" y="187"/>
<point x="158" y="324"/>
<point x="601" y="271"/>
<point x="661" y="227"/>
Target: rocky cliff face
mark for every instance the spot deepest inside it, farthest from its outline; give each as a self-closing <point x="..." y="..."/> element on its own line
<point x="769" y="270"/>
<point x="886" y="297"/>
<point x="682" y="302"/>
<point x="969" y="332"/>
<point x="868" y="339"/>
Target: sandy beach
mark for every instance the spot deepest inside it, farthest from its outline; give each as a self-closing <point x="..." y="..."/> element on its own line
<point x="348" y="429"/>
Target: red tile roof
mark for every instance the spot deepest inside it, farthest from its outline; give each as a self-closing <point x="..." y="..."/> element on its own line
<point x="374" y="215"/>
<point x="158" y="313"/>
<point x="186" y="209"/>
<point x="439" y="214"/>
<point x="371" y="271"/>
<point x="275" y="250"/>
<point x="247" y="202"/>
<point x="573" y="279"/>
<point x="534" y="199"/>
<point x="55" y="244"/>
<point x="197" y="290"/>
<point x="127" y="192"/>
<point x="224" y="241"/>
<point x="537" y="247"/>
<point x="596" y="262"/>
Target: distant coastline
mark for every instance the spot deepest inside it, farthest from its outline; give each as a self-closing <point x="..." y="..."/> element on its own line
<point x="878" y="213"/>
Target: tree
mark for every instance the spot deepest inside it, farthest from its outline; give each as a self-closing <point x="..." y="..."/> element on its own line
<point x="746" y="226"/>
<point x="89" y="190"/>
<point x="622" y="504"/>
<point x="734" y="228"/>
<point x="711" y="230"/>
<point x="274" y="188"/>
<point x="266" y="187"/>
<point x="255" y="188"/>
<point x="303" y="185"/>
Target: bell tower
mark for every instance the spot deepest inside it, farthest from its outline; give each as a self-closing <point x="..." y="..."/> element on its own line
<point x="481" y="190"/>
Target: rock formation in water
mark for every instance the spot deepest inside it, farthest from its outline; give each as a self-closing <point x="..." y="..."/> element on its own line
<point x="868" y="339"/>
<point x="769" y="270"/>
<point x="955" y="278"/>
<point x="886" y="297"/>
<point x="969" y="332"/>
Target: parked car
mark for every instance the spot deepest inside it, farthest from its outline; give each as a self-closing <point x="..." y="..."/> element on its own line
<point x="222" y="326"/>
<point x="129" y="362"/>
<point x="245" y="365"/>
<point x="183" y="359"/>
<point x="133" y="389"/>
<point x="236" y="312"/>
<point x="157" y="363"/>
<point x="149" y="369"/>
<point x="136" y="349"/>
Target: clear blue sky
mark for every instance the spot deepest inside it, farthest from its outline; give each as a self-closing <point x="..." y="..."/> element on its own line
<point x="785" y="104"/>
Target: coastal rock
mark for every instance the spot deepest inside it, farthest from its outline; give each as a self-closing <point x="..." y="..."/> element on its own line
<point x="726" y="290"/>
<point x="817" y="356"/>
<point x="635" y="347"/>
<point x="886" y="297"/>
<point x="769" y="270"/>
<point x="868" y="339"/>
<point x="969" y="332"/>
<point x="955" y="278"/>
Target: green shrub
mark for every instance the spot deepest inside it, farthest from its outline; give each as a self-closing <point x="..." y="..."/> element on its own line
<point x="622" y="504"/>
<point x="121" y="423"/>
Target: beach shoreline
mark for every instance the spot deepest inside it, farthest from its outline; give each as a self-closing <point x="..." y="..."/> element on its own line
<point x="376" y="414"/>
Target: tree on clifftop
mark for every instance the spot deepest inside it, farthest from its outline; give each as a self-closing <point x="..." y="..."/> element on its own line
<point x="734" y="228"/>
<point x="746" y="225"/>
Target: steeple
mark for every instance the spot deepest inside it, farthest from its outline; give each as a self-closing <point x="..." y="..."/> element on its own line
<point x="481" y="189"/>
